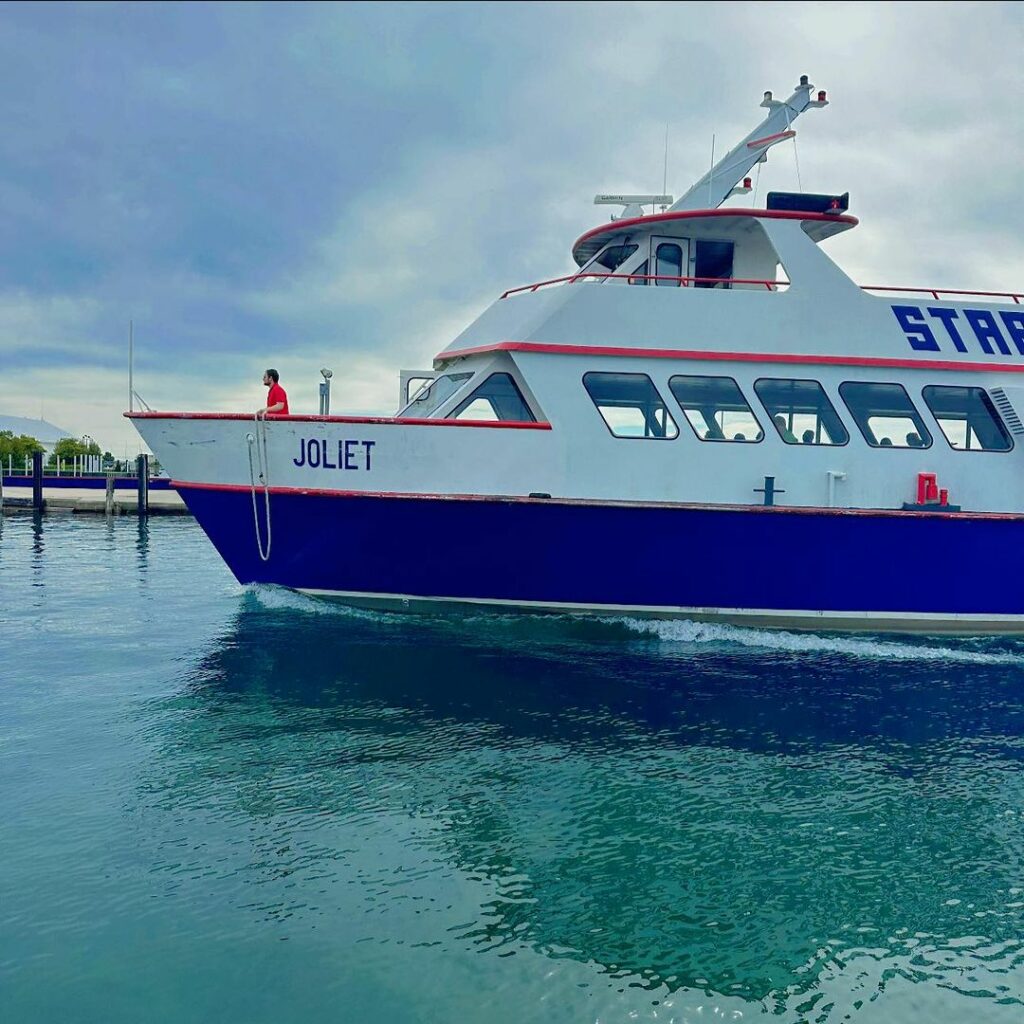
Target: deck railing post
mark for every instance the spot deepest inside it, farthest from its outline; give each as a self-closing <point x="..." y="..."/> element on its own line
<point x="142" y="472"/>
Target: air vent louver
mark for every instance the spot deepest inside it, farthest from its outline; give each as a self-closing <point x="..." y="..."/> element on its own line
<point x="1007" y="411"/>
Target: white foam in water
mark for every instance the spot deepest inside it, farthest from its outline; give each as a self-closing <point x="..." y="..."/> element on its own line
<point x="275" y="598"/>
<point x="687" y="631"/>
<point x="680" y="631"/>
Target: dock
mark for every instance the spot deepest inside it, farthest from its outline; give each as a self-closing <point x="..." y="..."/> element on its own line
<point x="89" y="501"/>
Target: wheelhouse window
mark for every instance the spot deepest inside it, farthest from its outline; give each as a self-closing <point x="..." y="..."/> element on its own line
<point x="641" y="273"/>
<point x="498" y="398"/>
<point x="434" y="394"/>
<point x="668" y="262"/>
<point x="630" y="405"/>
<point x="885" y="415"/>
<point x="801" y="411"/>
<point x="716" y="409"/>
<point x="968" y="418"/>
<point x="714" y="262"/>
<point x="612" y="258"/>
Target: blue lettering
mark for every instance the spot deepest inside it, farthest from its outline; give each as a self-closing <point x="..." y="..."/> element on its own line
<point x="312" y="447"/>
<point x="327" y="464"/>
<point x="918" y="333"/>
<point x="987" y="330"/>
<point x="350" y="455"/>
<point x="301" y="461"/>
<point x="947" y="316"/>
<point x="1014" y="323"/>
<point x="368" y="445"/>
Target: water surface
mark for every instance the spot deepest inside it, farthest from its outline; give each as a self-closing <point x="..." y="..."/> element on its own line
<point x="221" y="804"/>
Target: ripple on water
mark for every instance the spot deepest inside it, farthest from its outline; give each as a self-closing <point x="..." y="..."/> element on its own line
<point x="486" y="817"/>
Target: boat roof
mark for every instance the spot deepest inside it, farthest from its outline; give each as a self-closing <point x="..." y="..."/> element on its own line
<point x="818" y="226"/>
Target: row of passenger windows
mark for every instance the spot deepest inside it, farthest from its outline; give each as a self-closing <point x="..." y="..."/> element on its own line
<point x="800" y="411"/>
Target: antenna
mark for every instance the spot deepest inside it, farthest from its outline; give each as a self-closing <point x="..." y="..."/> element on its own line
<point x="664" y="177"/>
<point x="711" y="173"/>
<point x="131" y="367"/>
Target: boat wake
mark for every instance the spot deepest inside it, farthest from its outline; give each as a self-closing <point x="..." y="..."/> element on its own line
<point x="686" y="633"/>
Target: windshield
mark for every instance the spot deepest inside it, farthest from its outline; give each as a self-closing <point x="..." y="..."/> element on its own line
<point x="433" y="394"/>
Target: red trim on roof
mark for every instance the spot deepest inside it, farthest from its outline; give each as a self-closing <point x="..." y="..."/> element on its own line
<point x="408" y="421"/>
<point x="732" y="357"/>
<point x="317" y="492"/>
<point x="727" y="211"/>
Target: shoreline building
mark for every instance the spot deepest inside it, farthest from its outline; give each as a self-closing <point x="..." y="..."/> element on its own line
<point x="44" y="432"/>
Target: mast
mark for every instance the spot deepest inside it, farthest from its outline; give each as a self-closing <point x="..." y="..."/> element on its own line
<point x="714" y="187"/>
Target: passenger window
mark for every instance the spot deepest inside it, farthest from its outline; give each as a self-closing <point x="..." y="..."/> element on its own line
<point x="713" y="260"/>
<point x="967" y="418"/>
<point x="614" y="256"/>
<point x="885" y="415"/>
<point x="668" y="262"/>
<point x="434" y="394"/>
<point x="498" y="398"/>
<point x="801" y="411"/>
<point x="716" y="409"/>
<point x="630" y="405"/>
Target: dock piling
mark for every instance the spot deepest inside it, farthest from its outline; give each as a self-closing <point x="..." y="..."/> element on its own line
<point x="108" y="503"/>
<point x="37" y="481"/>
<point x="142" y="470"/>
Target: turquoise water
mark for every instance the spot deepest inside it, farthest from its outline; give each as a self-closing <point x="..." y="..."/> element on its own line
<point x="231" y="805"/>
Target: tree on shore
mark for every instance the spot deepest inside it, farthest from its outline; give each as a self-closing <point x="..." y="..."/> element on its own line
<point x="17" y="446"/>
<point x="69" y="447"/>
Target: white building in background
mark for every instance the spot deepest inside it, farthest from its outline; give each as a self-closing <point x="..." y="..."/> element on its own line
<point x="45" y="433"/>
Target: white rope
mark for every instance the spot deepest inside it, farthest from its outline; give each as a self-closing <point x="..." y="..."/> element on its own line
<point x="259" y="440"/>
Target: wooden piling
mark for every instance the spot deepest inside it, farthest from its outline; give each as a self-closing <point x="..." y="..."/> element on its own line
<point x="37" y="481"/>
<point x="142" y="471"/>
<point x="108" y="504"/>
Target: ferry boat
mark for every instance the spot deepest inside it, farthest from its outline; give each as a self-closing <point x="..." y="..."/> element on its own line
<point x="707" y="419"/>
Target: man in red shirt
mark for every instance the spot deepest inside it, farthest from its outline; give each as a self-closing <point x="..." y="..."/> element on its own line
<point x="277" y="400"/>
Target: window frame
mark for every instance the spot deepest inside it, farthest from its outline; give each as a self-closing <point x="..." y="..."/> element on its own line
<point x="993" y="411"/>
<point x="471" y="397"/>
<point x="717" y="440"/>
<point x="801" y="380"/>
<point x="597" y="408"/>
<point x="906" y="394"/>
<point x="407" y="411"/>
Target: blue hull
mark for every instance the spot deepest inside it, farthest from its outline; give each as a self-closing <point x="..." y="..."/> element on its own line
<point x="643" y="557"/>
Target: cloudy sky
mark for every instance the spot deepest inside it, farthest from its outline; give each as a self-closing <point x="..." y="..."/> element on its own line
<point x="299" y="185"/>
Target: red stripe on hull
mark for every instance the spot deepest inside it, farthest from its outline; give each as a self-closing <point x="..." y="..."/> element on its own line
<point x="385" y="420"/>
<point x="318" y="492"/>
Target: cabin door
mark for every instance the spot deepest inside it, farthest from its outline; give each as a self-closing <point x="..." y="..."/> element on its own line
<point x="670" y="258"/>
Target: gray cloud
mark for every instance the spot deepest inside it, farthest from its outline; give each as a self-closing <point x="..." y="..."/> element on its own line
<point x="298" y="184"/>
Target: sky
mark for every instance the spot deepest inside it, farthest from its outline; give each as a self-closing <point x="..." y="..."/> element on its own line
<point x="350" y="185"/>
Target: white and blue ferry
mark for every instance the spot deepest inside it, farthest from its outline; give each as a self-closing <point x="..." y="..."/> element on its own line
<point x="708" y="419"/>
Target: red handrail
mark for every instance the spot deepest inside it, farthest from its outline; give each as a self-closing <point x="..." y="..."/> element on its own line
<point x="770" y="285"/>
<point x="935" y="293"/>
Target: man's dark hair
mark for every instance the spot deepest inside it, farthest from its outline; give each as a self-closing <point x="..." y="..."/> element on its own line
<point x="274" y="376"/>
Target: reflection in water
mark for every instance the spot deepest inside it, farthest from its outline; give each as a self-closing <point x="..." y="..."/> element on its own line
<point x="301" y="808"/>
<point x="688" y="815"/>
